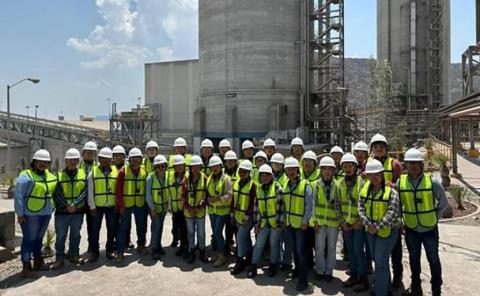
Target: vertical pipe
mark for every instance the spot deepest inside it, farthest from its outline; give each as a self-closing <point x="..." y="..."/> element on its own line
<point x="478" y="20"/>
<point x="413" y="47"/>
<point x="9" y="143"/>
<point x="471" y="133"/>
<point x="454" y="140"/>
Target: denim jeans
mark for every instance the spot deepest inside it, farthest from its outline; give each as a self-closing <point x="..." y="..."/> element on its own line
<point x="179" y="229"/>
<point x="218" y="223"/>
<point x="397" y="255"/>
<point x="125" y="222"/>
<point x="196" y="226"/>
<point x="296" y="243"/>
<point x="63" y="224"/>
<point x="273" y="236"/>
<point x="357" y="259"/>
<point x="33" y="230"/>
<point x="109" y="213"/>
<point x="381" y="249"/>
<point x="286" y="251"/>
<point x="157" y="230"/>
<point x="429" y="240"/>
<point x="244" y="239"/>
<point x="325" y="236"/>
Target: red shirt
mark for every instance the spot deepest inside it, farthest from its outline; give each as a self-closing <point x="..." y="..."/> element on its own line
<point x="186" y="206"/>
<point x="119" y="186"/>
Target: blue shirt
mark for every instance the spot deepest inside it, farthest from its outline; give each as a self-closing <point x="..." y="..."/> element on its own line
<point x="149" y="196"/>
<point x="308" y="200"/>
<point x="23" y="188"/>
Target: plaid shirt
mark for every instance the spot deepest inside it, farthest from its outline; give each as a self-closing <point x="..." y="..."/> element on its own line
<point x="279" y="207"/>
<point x="390" y="218"/>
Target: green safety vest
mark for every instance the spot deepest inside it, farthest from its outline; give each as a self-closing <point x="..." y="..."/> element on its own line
<point x="241" y="199"/>
<point x="387" y="169"/>
<point x="87" y="169"/>
<point x="218" y="188"/>
<point x="148" y="165"/>
<point x="234" y="177"/>
<point x="349" y="200"/>
<point x="339" y="174"/>
<point x="160" y="193"/>
<point x="42" y="191"/>
<point x="281" y="180"/>
<point x="312" y="177"/>
<point x="418" y="204"/>
<point x="324" y="212"/>
<point x="73" y="187"/>
<point x="295" y="203"/>
<point x="104" y="187"/>
<point x="171" y="158"/>
<point x="175" y="192"/>
<point x="377" y="206"/>
<point x="195" y="197"/>
<point x="134" y="187"/>
<point x="267" y="205"/>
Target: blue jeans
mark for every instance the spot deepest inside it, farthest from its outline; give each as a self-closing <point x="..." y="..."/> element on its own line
<point x="273" y="235"/>
<point x="325" y="236"/>
<point x="109" y="213"/>
<point x="33" y="230"/>
<point x="296" y="243"/>
<point x="157" y="231"/>
<point x="64" y="223"/>
<point x="218" y="223"/>
<point x="244" y="239"/>
<point x="125" y="222"/>
<point x="196" y="225"/>
<point x="429" y="240"/>
<point x="285" y="249"/>
<point x="381" y="249"/>
<point x="357" y="259"/>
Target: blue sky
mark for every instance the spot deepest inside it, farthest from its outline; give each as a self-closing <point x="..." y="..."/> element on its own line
<point x="87" y="51"/>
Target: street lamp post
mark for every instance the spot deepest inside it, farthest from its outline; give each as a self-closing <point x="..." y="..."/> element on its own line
<point x="28" y="108"/>
<point x="36" y="107"/>
<point x="9" y="147"/>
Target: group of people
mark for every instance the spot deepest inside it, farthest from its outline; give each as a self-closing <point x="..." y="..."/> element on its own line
<point x="294" y="207"/>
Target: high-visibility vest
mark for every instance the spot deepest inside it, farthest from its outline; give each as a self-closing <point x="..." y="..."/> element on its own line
<point x="418" y="204"/>
<point x="339" y="174"/>
<point x="86" y="168"/>
<point x="256" y="176"/>
<point x="349" y="200"/>
<point x="281" y="179"/>
<point x="241" y="199"/>
<point x="160" y="193"/>
<point x="267" y="203"/>
<point x="42" y="191"/>
<point x="295" y="203"/>
<point x="104" y="187"/>
<point x="175" y="192"/>
<point x="218" y="187"/>
<point x="134" y="187"/>
<point x="206" y="170"/>
<point x="195" y="196"/>
<point x="233" y="176"/>
<point x="324" y="212"/>
<point x="148" y="165"/>
<point x="377" y="206"/>
<point x="171" y="159"/>
<point x="313" y="177"/>
<point x="73" y="187"/>
<point x="387" y="169"/>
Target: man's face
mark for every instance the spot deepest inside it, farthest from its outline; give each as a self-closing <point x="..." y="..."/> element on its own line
<point x="265" y="178"/>
<point x="206" y="152"/>
<point x="135" y="161"/>
<point x="160" y="168"/>
<point x="269" y="150"/>
<point x="379" y="149"/>
<point x="179" y="150"/>
<point x="414" y="168"/>
<point x="259" y="161"/>
<point x="179" y="168"/>
<point x="308" y="165"/>
<point x="291" y="172"/>
<point x="71" y="164"/>
<point x="248" y="153"/>
<point x="41" y="165"/>
<point x="104" y="162"/>
<point x="223" y="150"/>
<point x="243" y="174"/>
<point x="337" y="157"/>
<point x="349" y="168"/>
<point x="152" y="152"/>
<point x="297" y="149"/>
<point x="118" y="158"/>
<point x="327" y="173"/>
<point x="89" y="155"/>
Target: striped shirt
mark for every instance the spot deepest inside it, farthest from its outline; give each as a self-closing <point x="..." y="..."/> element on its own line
<point x="391" y="216"/>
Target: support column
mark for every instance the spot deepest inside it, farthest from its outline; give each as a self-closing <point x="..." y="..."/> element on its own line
<point x="454" y="142"/>
<point x="471" y="133"/>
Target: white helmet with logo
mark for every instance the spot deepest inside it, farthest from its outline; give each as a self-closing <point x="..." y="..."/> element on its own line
<point x="261" y="154"/>
<point x="90" y="146"/>
<point x="265" y="169"/>
<point x="360" y="146"/>
<point x="269" y="143"/>
<point x="152" y="144"/>
<point x="378" y="138"/>
<point x="296" y="141"/>
<point x="336" y="149"/>
<point x="178" y="159"/>
<point x="310" y="155"/>
<point x="224" y="144"/>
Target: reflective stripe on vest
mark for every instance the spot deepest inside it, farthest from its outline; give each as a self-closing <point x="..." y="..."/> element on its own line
<point x="241" y="199"/>
<point x="148" y="165"/>
<point x="73" y="187"/>
<point x="295" y="203"/>
<point x="175" y="192"/>
<point x="218" y="187"/>
<point x="349" y="200"/>
<point x="134" y="187"/>
<point x="160" y="193"/>
<point x="418" y="204"/>
<point x="324" y="212"/>
<point x="43" y="188"/>
<point x="282" y="179"/>
<point x="377" y="206"/>
<point x="195" y="196"/>
<point x="104" y="187"/>
<point x="313" y="177"/>
<point x="387" y="169"/>
<point x="267" y="205"/>
<point x="171" y="159"/>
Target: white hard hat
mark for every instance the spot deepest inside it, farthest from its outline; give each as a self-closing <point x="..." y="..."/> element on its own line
<point x="230" y="155"/>
<point x="90" y="146"/>
<point x="277" y="158"/>
<point x="309" y="155"/>
<point x="373" y="166"/>
<point x="360" y="146"/>
<point x="378" y="138"/>
<point x="159" y="159"/>
<point x="135" y="152"/>
<point x="178" y="159"/>
<point x="206" y="144"/>
<point x="180" y="142"/>
<point x="152" y="144"/>
<point x="42" y="155"/>
<point x="72" y="153"/>
<point x="291" y="162"/>
<point x="119" y="150"/>
<point x="246" y="165"/>
<point x="296" y="141"/>
<point x="327" y="161"/>
<point x="269" y="143"/>
<point x="224" y="144"/>
<point x="336" y="149"/>
<point x="261" y="154"/>
<point x="265" y="168"/>
<point x="413" y="154"/>
<point x="195" y="160"/>
<point x="214" y="160"/>
<point x="105" y="152"/>
<point x="247" y="144"/>
<point x="349" y="157"/>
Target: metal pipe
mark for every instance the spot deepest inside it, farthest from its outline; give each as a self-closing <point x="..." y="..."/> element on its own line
<point x="478" y="20"/>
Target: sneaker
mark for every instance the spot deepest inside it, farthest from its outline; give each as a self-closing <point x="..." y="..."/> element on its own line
<point x="179" y="252"/>
<point x="27" y="272"/>
<point x="252" y="271"/>
<point x="39" y="264"/>
<point x="142" y="250"/>
<point x="119" y="258"/>
<point x="239" y="266"/>
<point x="110" y="255"/>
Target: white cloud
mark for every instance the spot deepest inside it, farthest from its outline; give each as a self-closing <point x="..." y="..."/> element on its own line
<point x="99" y="83"/>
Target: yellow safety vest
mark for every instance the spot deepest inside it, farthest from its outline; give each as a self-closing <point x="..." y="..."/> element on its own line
<point x="42" y="191"/>
<point x="104" y="187"/>
<point x="295" y="203"/>
<point x="418" y="204"/>
<point x="377" y="206"/>
<point x="195" y="196"/>
<point x="73" y="187"/>
<point x="134" y="187"/>
<point x="241" y="199"/>
<point x="175" y="192"/>
<point x="281" y="180"/>
<point x="387" y="169"/>
<point x="324" y="212"/>
<point x="312" y="177"/>
<point x="148" y="165"/>
<point x="349" y="200"/>
<point x="267" y="205"/>
<point x="160" y="193"/>
<point x="339" y="174"/>
<point x="218" y="188"/>
<point x="171" y="159"/>
<point x="84" y="167"/>
<point x="234" y="177"/>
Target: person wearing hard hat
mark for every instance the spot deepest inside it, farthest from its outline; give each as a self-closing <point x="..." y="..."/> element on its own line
<point x="206" y="152"/>
<point x="157" y="196"/>
<point x="231" y="170"/>
<point x="230" y="162"/>
<point x="353" y="231"/>
<point x="269" y="147"/>
<point x="119" y="155"/>
<point x="297" y="194"/>
<point x="391" y="172"/>
<point x="423" y="200"/>
<point x="70" y="201"/>
<point x="179" y="228"/>
<point x="296" y="148"/>
<point x="269" y="218"/>
<point x="89" y="155"/>
<point x="241" y="212"/>
<point x="101" y="188"/>
<point x="34" y="206"/>
<point x="247" y="150"/>
<point x="336" y="153"/>
<point x="360" y="150"/>
<point x="260" y="159"/>
<point x="219" y="196"/>
<point x="194" y="204"/>
<point x="151" y="150"/>
<point x="223" y="147"/>
<point x="179" y="148"/>
<point x="130" y="194"/>
<point x="379" y="210"/>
